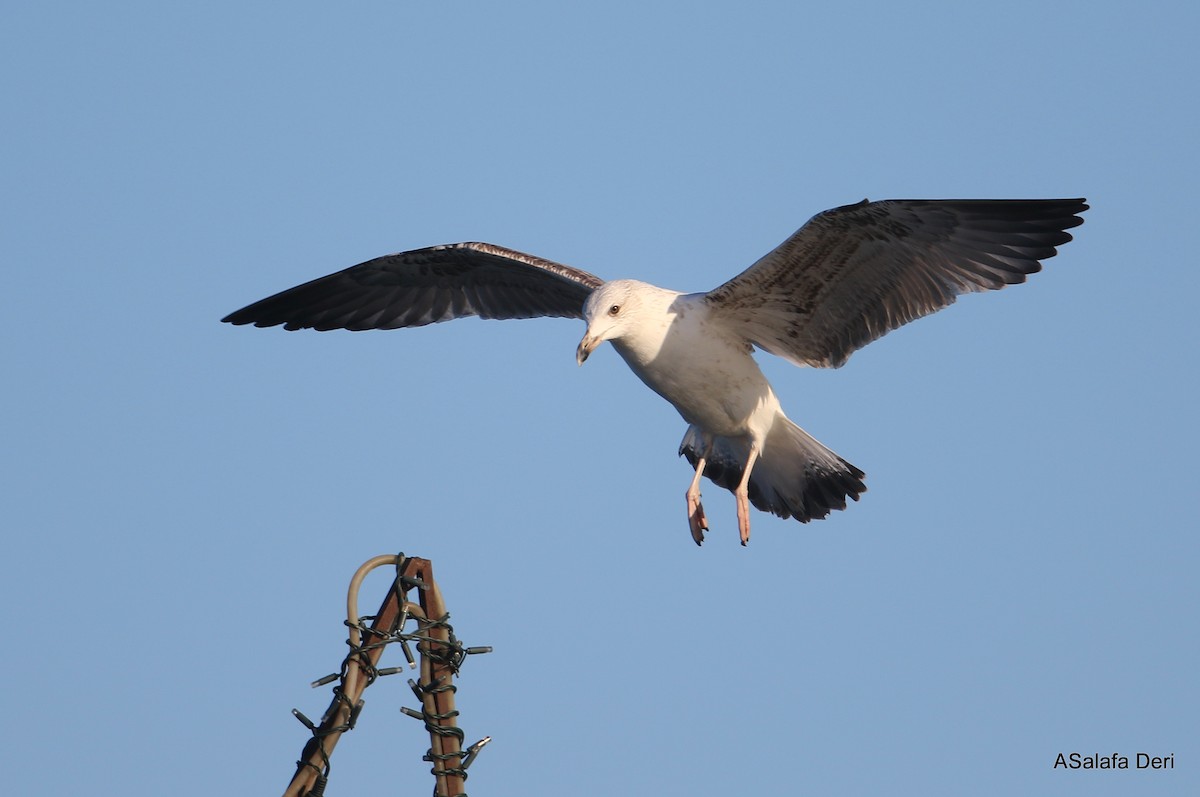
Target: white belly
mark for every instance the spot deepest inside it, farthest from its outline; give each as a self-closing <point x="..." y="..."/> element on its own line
<point x="713" y="381"/>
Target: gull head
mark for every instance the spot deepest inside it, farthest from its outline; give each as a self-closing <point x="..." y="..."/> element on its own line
<point x="610" y="312"/>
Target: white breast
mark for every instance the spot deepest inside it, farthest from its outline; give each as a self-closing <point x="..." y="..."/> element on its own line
<point x="708" y="374"/>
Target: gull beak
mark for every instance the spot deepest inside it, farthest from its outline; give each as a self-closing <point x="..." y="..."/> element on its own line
<point x="586" y="346"/>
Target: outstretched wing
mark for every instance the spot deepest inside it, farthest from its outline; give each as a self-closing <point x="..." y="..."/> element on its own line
<point x="852" y="274"/>
<point x="425" y="286"/>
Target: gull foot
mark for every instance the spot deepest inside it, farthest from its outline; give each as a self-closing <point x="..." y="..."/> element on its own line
<point x="697" y="522"/>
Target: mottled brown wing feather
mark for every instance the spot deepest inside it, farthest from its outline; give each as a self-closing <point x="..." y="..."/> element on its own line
<point x="852" y="274"/>
<point x="425" y="286"/>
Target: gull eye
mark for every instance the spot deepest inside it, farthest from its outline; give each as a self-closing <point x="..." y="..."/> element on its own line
<point x="616" y="308"/>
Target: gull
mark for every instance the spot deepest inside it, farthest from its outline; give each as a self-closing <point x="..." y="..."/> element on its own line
<point x="844" y="279"/>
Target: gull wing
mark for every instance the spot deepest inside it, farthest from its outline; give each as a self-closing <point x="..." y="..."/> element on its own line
<point x="425" y="286"/>
<point x="854" y="273"/>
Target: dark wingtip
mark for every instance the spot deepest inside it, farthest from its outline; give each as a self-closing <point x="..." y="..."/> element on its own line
<point x="1074" y="207"/>
<point x="242" y="317"/>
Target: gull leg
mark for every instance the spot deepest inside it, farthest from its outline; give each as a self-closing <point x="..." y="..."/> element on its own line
<point x="742" y="494"/>
<point x="696" y="519"/>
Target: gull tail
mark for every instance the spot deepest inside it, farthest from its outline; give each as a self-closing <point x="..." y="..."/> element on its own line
<point x="795" y="476"/>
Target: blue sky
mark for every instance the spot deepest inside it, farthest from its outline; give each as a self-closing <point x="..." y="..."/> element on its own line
<point x="185" y="501"/>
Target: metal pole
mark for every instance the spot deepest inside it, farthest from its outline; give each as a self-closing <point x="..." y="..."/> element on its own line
<point x="441" y="655"/>
<point x="437" y="684"/>
<point x="316" y="753"/>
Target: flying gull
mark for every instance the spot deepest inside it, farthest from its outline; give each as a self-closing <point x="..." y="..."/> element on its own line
<point x="847" y="277"/>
